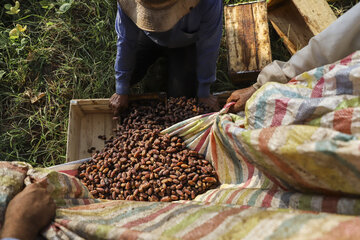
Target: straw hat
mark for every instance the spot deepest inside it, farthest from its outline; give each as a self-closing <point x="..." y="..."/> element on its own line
<point x="156" y="15"/>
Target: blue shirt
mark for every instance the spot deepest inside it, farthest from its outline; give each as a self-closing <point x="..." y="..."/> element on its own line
<point x="202" y="26"/>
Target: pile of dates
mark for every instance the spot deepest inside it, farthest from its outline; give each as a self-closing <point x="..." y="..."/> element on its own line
<point x="154" y="114"/>
<point x="139" y="163"/>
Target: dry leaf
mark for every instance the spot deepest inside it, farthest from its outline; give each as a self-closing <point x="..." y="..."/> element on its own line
<point x="37" y="98"/>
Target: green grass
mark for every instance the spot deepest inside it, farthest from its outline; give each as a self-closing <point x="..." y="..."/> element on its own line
<point x="67" y="51"/>
<point x="65" y="55"/>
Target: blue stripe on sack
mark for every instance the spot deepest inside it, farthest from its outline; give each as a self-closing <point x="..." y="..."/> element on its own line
<point x="319" y="73"/>
<point x="262" y="104"/>
<point x="329" y="147"/>
<point x="254" y="197"/>
<point x="291" y="226"/>
<point x="343" y="83"/>
<point x="306" y="109"/>
<point x="344" y="137"/>
<point x="285" y="199"/>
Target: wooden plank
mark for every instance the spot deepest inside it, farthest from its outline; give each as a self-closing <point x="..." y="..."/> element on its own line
<point x="93" y="125"/>
<point x="297" y="21"/>
<point x="317" y="17"/>
<point x="262" y="34"/>
<point x="289" y="45"/>
<point x="248" y="42"/>
<point x="73" y="133"/>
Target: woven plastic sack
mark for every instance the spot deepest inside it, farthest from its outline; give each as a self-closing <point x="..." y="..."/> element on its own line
<point x="79" y="216"/>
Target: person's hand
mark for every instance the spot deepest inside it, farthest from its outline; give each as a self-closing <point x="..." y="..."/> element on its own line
<point x="211" y="102"/>
<point x="118" y="103"/>
<point x="240" y="97"/>
<point x="28" y="212"/>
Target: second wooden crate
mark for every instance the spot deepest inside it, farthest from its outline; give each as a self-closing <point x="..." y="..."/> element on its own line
<point x="248" y="42"/>
<point x="296" y="21"/>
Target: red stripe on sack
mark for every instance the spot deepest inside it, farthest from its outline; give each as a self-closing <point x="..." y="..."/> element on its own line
<point x="129" y="234"/>
<point x="264" y="137"/>
<point x="269" y="197"/>
<point x="343" y="120"/>
<point x="329" y="204"/>
<point x="72" y="173"/>
<point x="208" y="198"/>
<point x="64" y="222"/>
<point x="332" y="67"/>
<point x="11" y="166"/>
<point x="233" y="195"/>
<point x="78" y="187"/>
<point x="293" y="81"/>
<point x="347" y="60"/>
<point x="317" y="91"/>
<point x="210" y="225"/>
<point x="343" y="230"/>
<point x="280" y="111"/>
<point x="150" y="217"/>
<point x="202" y="140"/>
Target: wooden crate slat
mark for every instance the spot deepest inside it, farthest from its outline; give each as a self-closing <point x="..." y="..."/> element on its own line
<point x="263" y="40"/>
<point x="73" y="134"/>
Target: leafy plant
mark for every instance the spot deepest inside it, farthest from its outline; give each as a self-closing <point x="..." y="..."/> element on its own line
<point x="15" y="32"/>
<point x="12" y="10"/>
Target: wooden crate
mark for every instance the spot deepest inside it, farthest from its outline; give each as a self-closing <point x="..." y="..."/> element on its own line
<point x="90" y="118"/>
<point x="296" y="21"/>
<point x="248" y="42"/>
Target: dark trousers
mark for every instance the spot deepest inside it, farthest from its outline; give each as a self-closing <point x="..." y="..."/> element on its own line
<point x="180" y="63"/>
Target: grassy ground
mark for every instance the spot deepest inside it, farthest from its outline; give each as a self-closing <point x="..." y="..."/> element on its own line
<point x="67" y="51"/>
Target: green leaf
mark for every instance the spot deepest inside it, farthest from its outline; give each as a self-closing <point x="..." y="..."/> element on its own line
<point x="64" y="8"/>
<point x="13" y="10"/>
<point x="20" y="28"/>
<point x="7" y="6"/>
<point x="23" y="42"/>
<point x="46" y="4"/>
<point x="2" y="73"/>
<point x="14" y="33"/>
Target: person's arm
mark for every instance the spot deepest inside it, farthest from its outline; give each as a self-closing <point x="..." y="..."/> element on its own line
<point x="337" y="41"/>
<point x="127" y="35"/>
<point x="28" y="213"/>
<point x="207" y="47"/>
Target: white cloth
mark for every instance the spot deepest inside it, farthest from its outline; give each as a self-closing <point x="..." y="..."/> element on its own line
<point x="337" y="41"/>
